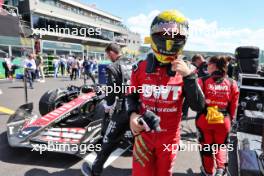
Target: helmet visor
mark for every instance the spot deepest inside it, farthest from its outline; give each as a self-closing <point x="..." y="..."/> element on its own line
<point x="167" y="44"/>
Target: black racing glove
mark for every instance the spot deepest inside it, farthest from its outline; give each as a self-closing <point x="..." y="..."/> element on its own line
<point x="150" y="121"/>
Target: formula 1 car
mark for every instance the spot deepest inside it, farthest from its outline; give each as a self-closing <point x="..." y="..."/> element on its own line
<point x="71" y="116"/>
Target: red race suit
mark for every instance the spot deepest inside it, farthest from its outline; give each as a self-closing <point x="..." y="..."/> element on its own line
<point x="154" y="152"/>
<point x="222" y="92"/>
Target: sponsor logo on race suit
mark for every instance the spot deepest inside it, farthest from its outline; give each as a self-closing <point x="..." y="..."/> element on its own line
<point x="214" y="102"/>
<point x="219" y="92"/>
<point x="155" y="109"/>
<point x="161" y="92"/>
<point x="217" y="87"/>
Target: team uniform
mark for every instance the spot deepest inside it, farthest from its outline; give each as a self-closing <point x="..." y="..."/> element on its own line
<point x="116" y="124"/>
<point x="162" y="92"/>
<point x="221" y="96"/>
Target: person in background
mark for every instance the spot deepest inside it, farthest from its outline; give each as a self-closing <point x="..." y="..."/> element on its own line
<point x="13" y="68"/>
<point x="94" y="67"/>
<point x="80" y="66"/>
<point x="70" y="60"/>
<point x="74" y="69"/>
<point x="7" y="64"/>
<point x="87" y="65"/>
<point x="199" y="61"/>
<point x="56" y="64"/>
<point x="30" y="69"/>
<point x="38" y="62"/>
<point x="4" y="65"/>
<point x="63" y="64"/>
<point x="215" y="122"/>
<point x="9" y="67"/>
<point x="231" y="66"/>
<point x="40" y="67"/>
<point x="115" y="110"/>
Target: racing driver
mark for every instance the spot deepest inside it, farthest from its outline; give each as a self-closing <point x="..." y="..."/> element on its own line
<point x="159" y="83"/>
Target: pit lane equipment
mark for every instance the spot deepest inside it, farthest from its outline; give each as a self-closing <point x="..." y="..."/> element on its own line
<point x="250" y="113"/>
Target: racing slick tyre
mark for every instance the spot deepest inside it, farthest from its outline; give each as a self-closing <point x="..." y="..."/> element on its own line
<point x="51" y="100"/>
<point x="248" y="59"/>
<point x="247" y="52"/>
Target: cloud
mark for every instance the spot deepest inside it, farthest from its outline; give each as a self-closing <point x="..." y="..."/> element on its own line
<point x="205" y="35"/>
<point x="141" y="22"/>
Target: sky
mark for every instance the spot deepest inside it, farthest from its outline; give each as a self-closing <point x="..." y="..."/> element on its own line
<point x="214" y="25"/>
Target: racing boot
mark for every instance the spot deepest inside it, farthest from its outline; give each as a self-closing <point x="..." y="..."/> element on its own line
<point x="87" y="170"/>
<point x="220" y="172"/>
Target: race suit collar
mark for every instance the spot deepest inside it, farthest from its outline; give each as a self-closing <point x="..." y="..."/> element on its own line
<point x="218" y="76"/>
<point x="153" y="63"/>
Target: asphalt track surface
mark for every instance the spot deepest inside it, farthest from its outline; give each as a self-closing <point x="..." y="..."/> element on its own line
<point x="21" y="161"/>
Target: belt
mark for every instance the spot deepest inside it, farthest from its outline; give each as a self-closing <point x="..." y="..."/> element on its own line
<point x="222" y="110"/>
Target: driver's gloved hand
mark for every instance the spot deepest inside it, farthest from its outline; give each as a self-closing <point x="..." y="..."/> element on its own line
<point x="150" y="121"/>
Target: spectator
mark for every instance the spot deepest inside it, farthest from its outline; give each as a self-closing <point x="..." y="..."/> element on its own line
<point x="80" y="66"/>
<point x="56" y="65"/>
<point x="63" y="64"/>
<point x="13" y="67"/>
<point x="40" y="64"/>
<point x="70" y="60"/>
<point x="30" y="69"/>
<point x="94" y="67"/>
<point x="87" y="65"/>
<point x="37" y="60"/>
<point x="74" y="69"/>
<point x="7" y="65"/>
<point x="5" y="68"/>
